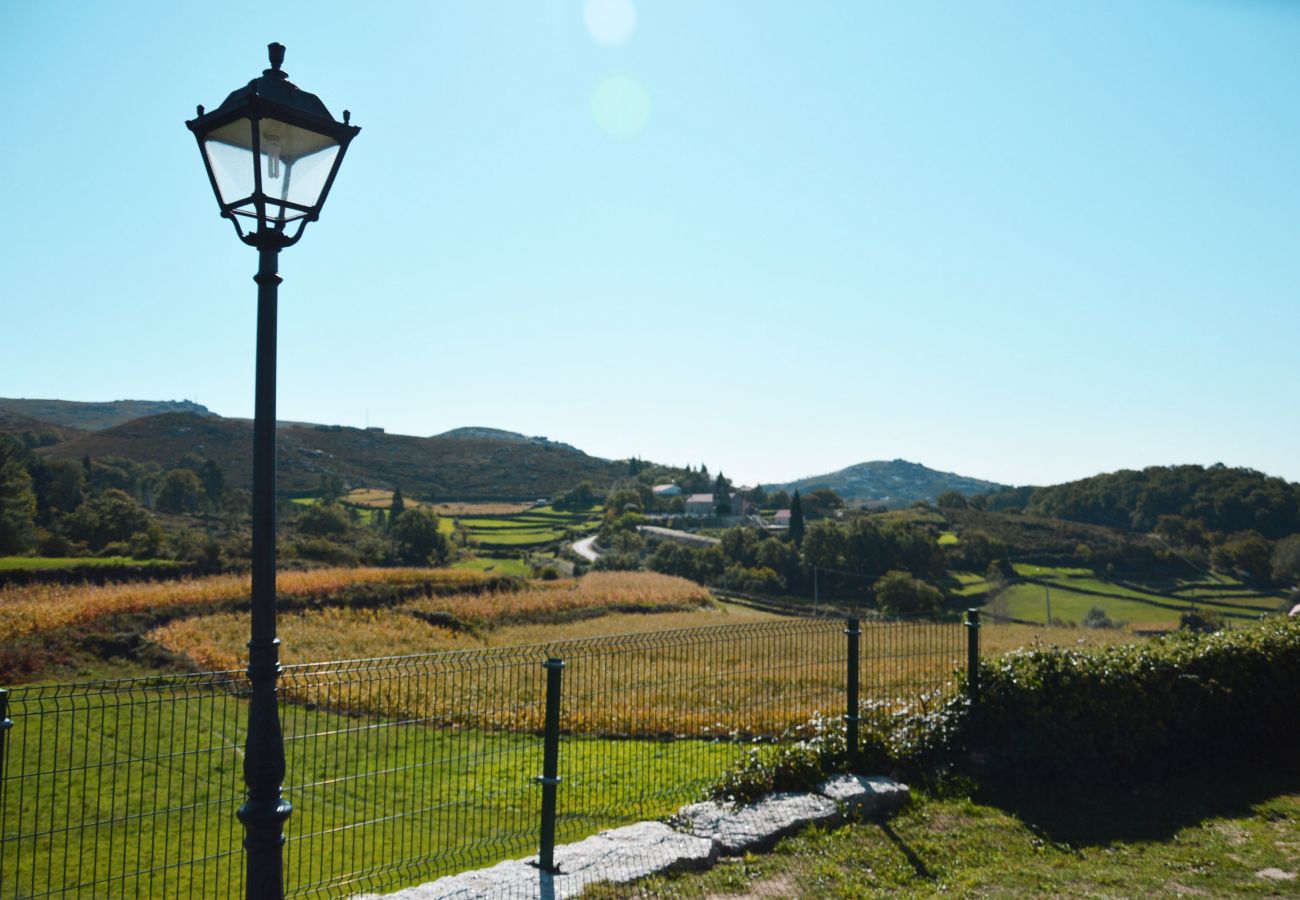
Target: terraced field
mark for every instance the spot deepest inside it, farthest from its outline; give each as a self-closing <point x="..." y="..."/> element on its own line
<point x="1071" y="592"/>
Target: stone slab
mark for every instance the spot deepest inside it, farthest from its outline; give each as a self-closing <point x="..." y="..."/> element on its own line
<point x="866" y="795"/>
<point x="760" y="825"/>
<point x="618" y="855"/>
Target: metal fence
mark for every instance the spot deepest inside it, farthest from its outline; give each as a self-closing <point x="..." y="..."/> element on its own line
<point x="404" y="769"/>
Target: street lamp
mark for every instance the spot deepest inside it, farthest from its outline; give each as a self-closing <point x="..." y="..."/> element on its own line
<point x="271" y="151"/>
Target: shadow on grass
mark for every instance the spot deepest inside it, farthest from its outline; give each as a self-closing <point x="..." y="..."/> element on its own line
<point x="1099" y="813"/>
<point x="918" y="865"/>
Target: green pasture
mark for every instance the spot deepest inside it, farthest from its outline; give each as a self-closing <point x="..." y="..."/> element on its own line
<point x="495" y="566"/>
<point x="1073" y="591"/>
<point x="40" y="563"/>
<point x="970" y="584"/>
<point x="947" y="538"/>
<point x="516" y="536"/>
<point x="140" y="796"/>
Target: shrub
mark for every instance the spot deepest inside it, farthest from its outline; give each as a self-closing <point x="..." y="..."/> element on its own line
<point x="1132" y="711"/>
<point x="1201" y="621"/>
<point x="899" y="594"/>
<point x="321" y="519"/>
<point x="1096" y="617"/>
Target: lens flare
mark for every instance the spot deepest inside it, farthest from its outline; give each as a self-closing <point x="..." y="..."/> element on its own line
<point x="621" y="106"/>
<point x="610" y="22"/>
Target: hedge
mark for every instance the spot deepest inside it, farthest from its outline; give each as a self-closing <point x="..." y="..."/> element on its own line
<point x="1178" y="703"/>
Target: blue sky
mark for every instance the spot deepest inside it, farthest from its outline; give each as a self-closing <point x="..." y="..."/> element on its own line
<point x="1024" y="241"/>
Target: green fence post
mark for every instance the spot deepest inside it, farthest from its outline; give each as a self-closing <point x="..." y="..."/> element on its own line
<point x="550" y="777"/>
<point x="973" y="655"/>
<point x="852" y="718"/>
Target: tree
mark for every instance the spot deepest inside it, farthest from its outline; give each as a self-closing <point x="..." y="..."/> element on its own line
<point x="105" y="518"/>
<point x="899" y="594"/>
<point x="180" y="492"/>
<point x="796" y="519"/>
<point x="722" y="495"/>
<point x="778" y="500"/>
<point x="57" y="484"/>
<point x="323" y="519"/>
<point x="1286" y="560"/>
<point x="214" y="482"/>
<point x="741" y="545"/>
<point x="1247" y="555"/>
<point x="418" y="540"/>
<point x="951" y="500"/>
<point x="581" y="497"/>
<point x="1201" y="621"/>
<point x="330" y="487"/>
<point x="17" y="500"/>
<point x="398" y="505"/>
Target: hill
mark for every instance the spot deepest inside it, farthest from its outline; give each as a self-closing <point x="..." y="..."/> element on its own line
<point x="896" y="483"/>
<point x="94" y="416"/>
<point x="1223" y="499"/>
<point x="479" y="465"/>
<point x="34" y="432"/>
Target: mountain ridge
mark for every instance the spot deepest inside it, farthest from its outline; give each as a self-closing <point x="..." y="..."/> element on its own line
<point x="895" y="482"/>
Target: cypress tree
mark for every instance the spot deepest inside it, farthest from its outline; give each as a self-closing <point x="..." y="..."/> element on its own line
<point x="796" y="519"/>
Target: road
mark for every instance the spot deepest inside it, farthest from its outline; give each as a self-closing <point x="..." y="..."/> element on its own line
<point x="586" y="548"/>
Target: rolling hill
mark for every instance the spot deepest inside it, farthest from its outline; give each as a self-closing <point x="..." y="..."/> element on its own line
<point x="895" y="483"/>
<point x="95" y="416"/>
<point x="479" y="464"/>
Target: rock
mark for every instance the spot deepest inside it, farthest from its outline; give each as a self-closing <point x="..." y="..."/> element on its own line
<point x="619" y="855"/>
<point x="1275" y="875"/>
<point x="758" y="826"/>
<point x="866" y="795"/>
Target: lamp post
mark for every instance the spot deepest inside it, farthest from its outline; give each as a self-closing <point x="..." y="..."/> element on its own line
<point x="271" y="152"/>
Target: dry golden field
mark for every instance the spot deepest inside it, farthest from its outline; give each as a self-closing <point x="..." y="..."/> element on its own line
<point x="452" y="621"/>
<point x="41" y="608"/>
<point x="625" y="674"/>
<point x="378" y="498"/>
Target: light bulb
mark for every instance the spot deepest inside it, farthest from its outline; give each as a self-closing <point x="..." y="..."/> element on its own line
<point x="271" y="144"/>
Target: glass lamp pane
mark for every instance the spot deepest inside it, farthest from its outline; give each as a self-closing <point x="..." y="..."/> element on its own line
<point x="229" y="150"/>
<point x="295" y="165"/>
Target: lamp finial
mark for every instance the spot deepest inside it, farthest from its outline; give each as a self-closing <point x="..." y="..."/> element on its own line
<point x="275" y="50"/>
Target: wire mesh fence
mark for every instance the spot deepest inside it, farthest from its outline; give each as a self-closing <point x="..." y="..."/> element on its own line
<point x="401" y="770"/>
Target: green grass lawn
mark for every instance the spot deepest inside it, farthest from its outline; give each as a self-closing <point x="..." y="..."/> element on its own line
<point x="495" y="566"/>
<point x="139" y="798"/>
<point x="38" y="563"/>
<point x="969" y="584"/>
<point x="510" y="538"/>
<point x="946" y="538"/>
<point x="1075" y="590"/>
<point x="1238" y="835"/>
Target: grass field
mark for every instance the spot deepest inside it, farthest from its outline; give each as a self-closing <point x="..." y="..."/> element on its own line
<point x="480" y="776"/>
<point x="40" y="563"/>
<point x="969" y="584"/>
<point x="491" y="565"/>
<point x="1073" y="591"/>
<point x="1237" y="836"/>
<point x="444" y="799"/>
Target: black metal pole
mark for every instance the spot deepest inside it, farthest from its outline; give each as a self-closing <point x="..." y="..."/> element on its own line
<point x="852" y="718"/>
<point x="5" y="724"/>
<point x="264" y="811"/>
<point x="550" y="764"/>
<point x="973" y="655"/>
